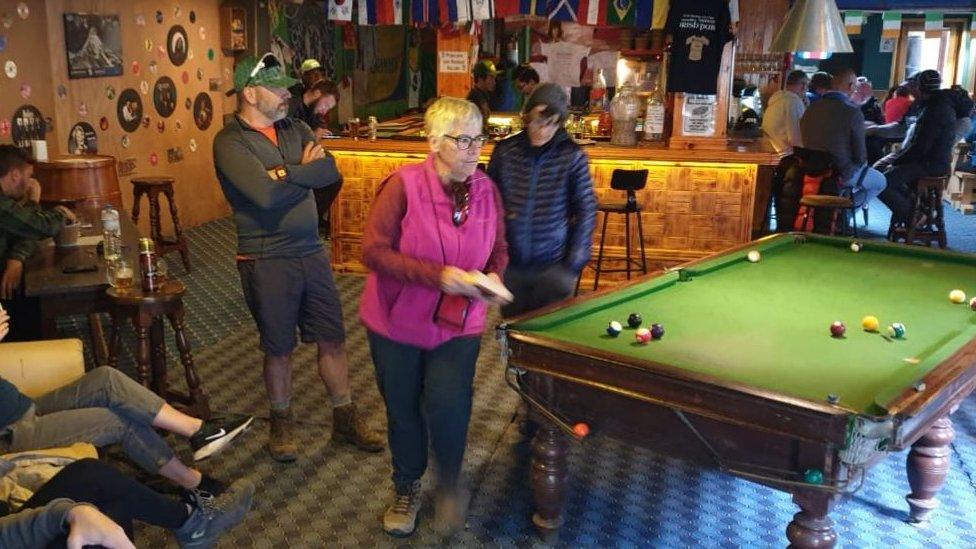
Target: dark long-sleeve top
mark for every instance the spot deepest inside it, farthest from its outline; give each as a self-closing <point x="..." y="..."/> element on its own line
<point x="21" y="226"/>
<point x="550" y="207"/>
<point x="270" y="190"/>
<point x="835" y="125"/>
<point x="933" y="136"/>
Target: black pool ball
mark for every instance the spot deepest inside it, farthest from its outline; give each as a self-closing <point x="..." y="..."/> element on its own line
<point x="634" y="320"/>
<point x="657" y="331"/>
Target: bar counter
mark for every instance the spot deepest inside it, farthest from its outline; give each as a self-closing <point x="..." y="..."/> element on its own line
<point x="696" y="201"/>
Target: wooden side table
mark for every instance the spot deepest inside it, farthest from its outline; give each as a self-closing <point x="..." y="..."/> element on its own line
<point x="146" y="311"/>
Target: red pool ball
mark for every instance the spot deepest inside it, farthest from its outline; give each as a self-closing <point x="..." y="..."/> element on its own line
<point x="837" y="329"/>
<point x="581" y="430"/>
<point x="642" y="335"/>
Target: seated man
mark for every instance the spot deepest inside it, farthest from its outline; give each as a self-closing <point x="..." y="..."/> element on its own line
<point x="22" y="224"/>
<point x="107" y="407"/>
<point x="835" y="125"/>
<point x="313" y="106"/>
<point x="819" y="85"/>
<point x="927" y="147"/>
<point x="526" y="80"/>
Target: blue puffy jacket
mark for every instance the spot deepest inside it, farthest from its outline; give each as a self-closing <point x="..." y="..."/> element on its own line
<point x="550" y="208"/>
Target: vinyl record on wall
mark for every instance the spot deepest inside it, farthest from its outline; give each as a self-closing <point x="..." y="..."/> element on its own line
<point x="82" y="139"/>
<point x="129" y="110"/>
<point x="177" y="45"/>
<point x="27" y="124"/>
<point x="202" y="111"/>
<point x="164" y="96"/>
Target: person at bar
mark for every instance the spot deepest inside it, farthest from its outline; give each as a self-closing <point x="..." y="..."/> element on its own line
<point x="550" y="206"/>
<point x="526" y="80"/>
<point x="781" y="124"/>
<point x="313" y="105"/>
<point x="484" y="74"/>
<point x="835" y="125"/>
<point x="268" y="165"/>
<point x="897" y="104"/>
<point x="819" y="85"/>
<point x="434" y="228"/>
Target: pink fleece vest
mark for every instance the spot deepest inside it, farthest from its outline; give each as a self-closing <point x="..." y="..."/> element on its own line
<point x="404" y="312"/>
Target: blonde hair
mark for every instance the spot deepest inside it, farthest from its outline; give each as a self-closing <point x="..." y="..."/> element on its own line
<point x="448" y="113"/>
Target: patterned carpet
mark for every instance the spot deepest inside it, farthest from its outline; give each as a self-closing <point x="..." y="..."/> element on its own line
<point x="619" y="496"/>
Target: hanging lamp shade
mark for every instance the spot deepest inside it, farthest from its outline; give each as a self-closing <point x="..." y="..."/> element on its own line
<point x="812" y="25"/>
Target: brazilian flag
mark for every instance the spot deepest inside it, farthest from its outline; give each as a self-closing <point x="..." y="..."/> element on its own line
<point x="621" y="12"/>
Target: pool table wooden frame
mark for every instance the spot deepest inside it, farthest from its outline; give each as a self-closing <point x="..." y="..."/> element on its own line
<point x="634" y="401"/>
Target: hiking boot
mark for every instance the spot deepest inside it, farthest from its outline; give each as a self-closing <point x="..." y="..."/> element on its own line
<point x="400" y="518"/>
<point x="450" y="510"/>
<point x="281" y="441"/>
<point x="216" y="434"/>
<point x="212" y="516"/>
<point x="350" y="426"/>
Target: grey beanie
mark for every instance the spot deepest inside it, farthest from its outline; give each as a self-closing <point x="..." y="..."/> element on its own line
<point x="553" y="97"/>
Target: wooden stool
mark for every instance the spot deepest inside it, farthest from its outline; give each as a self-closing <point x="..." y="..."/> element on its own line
<point x="146" y="311"/>
<point x="151" y="187"/>
<point x="630" y="181"/>
<point x="837" y="204"/>
<point x="926" y="224"/>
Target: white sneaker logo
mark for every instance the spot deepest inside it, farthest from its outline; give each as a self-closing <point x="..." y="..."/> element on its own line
<point x="198" y="534"/>
<point x="218" y="434"/>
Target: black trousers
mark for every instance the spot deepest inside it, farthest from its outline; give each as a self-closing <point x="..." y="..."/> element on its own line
<point x="901" y="186"/>
<point x="536" y="287"/>
<point x="324" y="198"/>
<point x="787" y="185"/>
<point x="121" y="498"/>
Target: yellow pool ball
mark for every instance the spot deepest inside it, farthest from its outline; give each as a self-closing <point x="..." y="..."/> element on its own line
<point x="957" y="296"/>
<point x="870" y="323"/>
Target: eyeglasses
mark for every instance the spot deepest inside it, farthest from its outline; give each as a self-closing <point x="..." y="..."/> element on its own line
<point x="460" y="196"/>
<point x="539" y="122"/>
<point x="267" y="61"/>
<point x="464" y="142"/>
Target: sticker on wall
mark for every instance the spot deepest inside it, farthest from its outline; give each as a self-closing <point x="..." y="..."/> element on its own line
<point x="110" y="92"/>
<point x="159" y="17"/>
<point x="214" y="85"/>
<point x="203" y="33"/>
<point x="153" y="159"/>
<point x="185" y="77"/>
<point x="27" y="125"/>
<point x="164" y="96"/>
<point x="188" y="103"/>
<point x="126" y="141"/>
<point x="193" y="145"/>
<point x="189" y="53"/>
<point x="202" y="111"/>
<point x="127" y="166"/>
<point x="176" y="45"/>
<point x="161" y="126"/>
<point x="179" y="125"/>
<point x="174" y="155"/>
<point x="193" y="16"/>
<point x="128" y="109"/>
<point x="140" y="20"/>
<point x="200" y="74"/>
<point x="82" y="109"/>
<point x="146" y="121"/>
<point x="161" y="51"/>
<point x="3" y="43"/>
<point x="11" y="69"/>
<point x="62" y="91"/>
<point x="82" y="139"/>
<point x="103" y="123"/>
<point x="136" y="67"/>
<point x="153" y="67"/>
<point x="177" y="11"/>
<point x="25" y="91"/>
<point x="49" y="122"/>
<point x="144" y="87"/>
<point x="7" y="20"/>
<point x="149" y="44"/>
<point x="22" y="10"/>
<point x="4" y="127"/>
<point x="210" y="54"/>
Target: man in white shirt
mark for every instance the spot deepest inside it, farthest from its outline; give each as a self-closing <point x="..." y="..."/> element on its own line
<point x="781" y="120"/>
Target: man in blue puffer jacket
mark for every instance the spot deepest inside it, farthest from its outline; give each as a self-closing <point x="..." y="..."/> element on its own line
<point x="550" y="208"/>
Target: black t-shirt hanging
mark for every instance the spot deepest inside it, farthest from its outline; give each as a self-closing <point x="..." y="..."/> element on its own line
<point x="700" y="29"/>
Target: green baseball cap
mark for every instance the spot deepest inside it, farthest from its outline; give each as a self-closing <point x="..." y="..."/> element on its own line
<point x="266" y="71"/>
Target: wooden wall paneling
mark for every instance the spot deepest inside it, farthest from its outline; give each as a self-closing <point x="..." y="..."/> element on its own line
<point x="198" y="194"/>
<point x="27" y="48"/>
<point x="758" y="23"/>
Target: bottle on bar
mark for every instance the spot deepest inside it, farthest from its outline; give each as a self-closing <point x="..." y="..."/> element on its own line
<point x="598" y="93"/>
<point x="148" y="265"/>
<point x="655" y="114"/>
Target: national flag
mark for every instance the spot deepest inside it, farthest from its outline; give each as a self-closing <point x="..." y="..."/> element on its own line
<point x="643" y="10"/>
<point x="933" y="20"/>
<point x="504" y="8"/>
<point x="853" y="21"/>
<point x="592" y="12"/>
<point x="367" y="12"/>
<point x="340" y="10"/>
<point x="425" y="12"/>
<point x="459" y="10"/>
<point x="534" y="7"/>
<point x="563" y="10"/>
<point x="384" y="12"/>
<point x="621" y="12"/>
<point x="482" y="9"/>
<point x="890" y="24"/>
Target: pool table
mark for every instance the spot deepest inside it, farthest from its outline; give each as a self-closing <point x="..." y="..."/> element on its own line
<point x="748" y="378"/>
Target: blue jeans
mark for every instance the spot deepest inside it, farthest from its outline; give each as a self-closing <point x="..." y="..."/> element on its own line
<point x="428" y="397"/>
<point x="869" y="187"/>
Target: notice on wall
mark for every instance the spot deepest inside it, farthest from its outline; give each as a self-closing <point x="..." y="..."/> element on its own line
<point x="453" y="62"/>
<point x="698" y="115"/>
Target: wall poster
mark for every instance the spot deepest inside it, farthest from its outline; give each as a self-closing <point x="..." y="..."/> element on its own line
<point x="93" y="44"/>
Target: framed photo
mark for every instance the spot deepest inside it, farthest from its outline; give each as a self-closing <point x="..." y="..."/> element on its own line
<point x="93" y="44"/>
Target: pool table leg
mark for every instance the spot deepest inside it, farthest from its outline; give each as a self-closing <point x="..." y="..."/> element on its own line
<point x="928" y="465"/>
<point x="812" y="527"/>
<point x="548" y="478"/>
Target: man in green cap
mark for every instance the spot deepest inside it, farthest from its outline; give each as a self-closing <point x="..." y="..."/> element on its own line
<point x="484" y="74"/>
<point x="268" y="166"/>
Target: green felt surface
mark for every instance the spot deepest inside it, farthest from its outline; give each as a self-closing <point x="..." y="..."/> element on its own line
<point x="767" y="324"/>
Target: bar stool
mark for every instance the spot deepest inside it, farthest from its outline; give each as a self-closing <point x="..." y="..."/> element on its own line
<point x="152" y="187"/>
<point x="926" y="224"/>
<point x="811" y="203"/>
<point x="146" y="311"/>
<point x="630" y="181"/>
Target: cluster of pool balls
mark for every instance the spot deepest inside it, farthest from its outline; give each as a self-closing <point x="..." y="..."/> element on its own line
<point x="896" y="330"/>
<point x="641" y="335"/>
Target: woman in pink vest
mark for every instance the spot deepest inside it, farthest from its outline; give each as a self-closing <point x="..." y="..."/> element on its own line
<point x="434" y="230"/>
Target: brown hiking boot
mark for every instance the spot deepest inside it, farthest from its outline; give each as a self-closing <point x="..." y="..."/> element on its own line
<point x="281" y="440"/>
<point x="349" y="426"/>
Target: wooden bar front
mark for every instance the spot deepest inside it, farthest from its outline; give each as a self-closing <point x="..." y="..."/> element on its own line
<point x="696" y="202"/>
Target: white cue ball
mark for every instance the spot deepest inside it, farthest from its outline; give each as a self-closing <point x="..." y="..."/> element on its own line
<point x="753" y="256"/>
<point x="855" y="247"/>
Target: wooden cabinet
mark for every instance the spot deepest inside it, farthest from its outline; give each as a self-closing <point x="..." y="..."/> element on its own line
<point x="233" y="28"/>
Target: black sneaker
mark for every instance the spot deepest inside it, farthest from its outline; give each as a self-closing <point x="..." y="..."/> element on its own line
<point x="213" y="516"/>
<point x="217" y="433"/>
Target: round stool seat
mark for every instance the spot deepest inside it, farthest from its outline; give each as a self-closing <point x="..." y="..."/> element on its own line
<point x="172" y="290"/>
<point x="826" y="201"/>
<point x="153" y="181"/>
